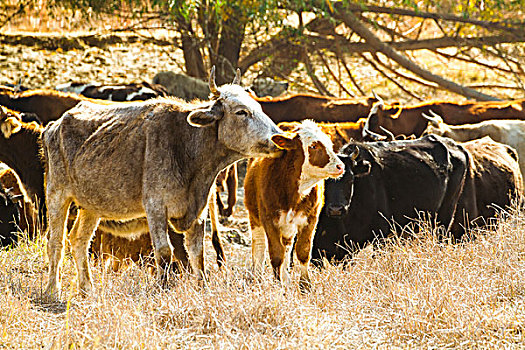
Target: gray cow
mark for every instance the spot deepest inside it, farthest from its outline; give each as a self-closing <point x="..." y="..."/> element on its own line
<point x="155" y="159"/>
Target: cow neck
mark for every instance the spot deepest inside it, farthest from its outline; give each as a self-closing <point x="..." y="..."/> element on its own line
<point x="286" y="175"/>
<point x="24" y="158"/>
<point x="206" y="161"/>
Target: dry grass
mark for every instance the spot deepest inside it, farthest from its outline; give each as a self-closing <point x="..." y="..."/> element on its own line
<point x="415" y="293"/>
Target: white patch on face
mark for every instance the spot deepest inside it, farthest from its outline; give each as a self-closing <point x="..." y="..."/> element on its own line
<point x="143" y="90"/>
<point x="309" y="133"/>
<point x="290" y="222"/>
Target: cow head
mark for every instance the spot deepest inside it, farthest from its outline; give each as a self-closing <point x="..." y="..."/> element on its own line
<point x="338" y="193"/>
<point x="436" y="125"/>
<point x="242" y="125"/>
<point x="320" y="161"/>
<point x="268" y="87"/>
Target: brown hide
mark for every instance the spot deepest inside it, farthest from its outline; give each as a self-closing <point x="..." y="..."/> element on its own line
<point x="49" y="105"/>
<point x="493" y="180"/>
<point x="319" y="108"/>
<point x="408" y="120"/>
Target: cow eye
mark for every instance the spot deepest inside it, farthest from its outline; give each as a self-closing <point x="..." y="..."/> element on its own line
<point x="242" y="112"/>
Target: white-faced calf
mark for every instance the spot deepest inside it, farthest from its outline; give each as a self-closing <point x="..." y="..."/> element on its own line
<point x="284" y="197"/>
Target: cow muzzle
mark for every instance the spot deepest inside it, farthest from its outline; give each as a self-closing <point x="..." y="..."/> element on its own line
<point x="335" y="210"/>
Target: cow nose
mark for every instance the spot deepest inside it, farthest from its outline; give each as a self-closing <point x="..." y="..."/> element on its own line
<point x="335" y="210"/>
<point x="340" y="167"/>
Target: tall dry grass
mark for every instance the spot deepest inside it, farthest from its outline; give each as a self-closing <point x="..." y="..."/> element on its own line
<point x="415" y="293"/>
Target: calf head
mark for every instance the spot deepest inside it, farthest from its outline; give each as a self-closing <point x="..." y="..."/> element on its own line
<point x="320" y="161"/>
<point x="242" y="125"/>
<point x="338" y="193"/>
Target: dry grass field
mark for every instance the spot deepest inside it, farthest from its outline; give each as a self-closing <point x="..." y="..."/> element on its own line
<point x="416" y="293"/>
<point x="409" y="294"/>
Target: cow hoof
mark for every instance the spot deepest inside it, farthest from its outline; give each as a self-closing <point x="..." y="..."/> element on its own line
<point x="85" y="290"/>
<point x="305" y="286"/>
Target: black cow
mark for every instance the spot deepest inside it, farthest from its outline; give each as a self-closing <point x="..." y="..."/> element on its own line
<point x="386" y="183"/>
<point x="123" y="92"/>
<point x="9" y="218"/>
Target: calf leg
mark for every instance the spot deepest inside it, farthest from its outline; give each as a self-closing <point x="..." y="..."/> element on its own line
<point x="303" y="252"/>
<point x="57" y="209"/>
<point x="277" y="253"/>
<point x="179" y="251"/>
<point x="215" y="239"/>
<point x="80" y="237"/>
<point x="231" y="186"/>
<point x="258" y="249"/>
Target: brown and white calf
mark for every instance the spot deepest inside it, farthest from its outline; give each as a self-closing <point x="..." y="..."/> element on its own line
<point x="284" y="197"/>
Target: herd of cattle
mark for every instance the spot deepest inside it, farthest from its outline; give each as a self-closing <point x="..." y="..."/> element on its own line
<point x="136" y="170"/>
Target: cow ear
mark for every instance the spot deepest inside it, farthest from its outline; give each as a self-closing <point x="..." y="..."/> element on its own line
<point x="203" y="117"/>
<point x="10" y="126"/>
<point x="284" y="141"/>
<point x="361" y="168"/>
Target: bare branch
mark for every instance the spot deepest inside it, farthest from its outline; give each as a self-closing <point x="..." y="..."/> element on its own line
<point x="337" y="80"/>
<point x="353" y="22"/>
<point x="508" y="27"/>
<point x="311" y="73"/>
<point x="401" y="87"/>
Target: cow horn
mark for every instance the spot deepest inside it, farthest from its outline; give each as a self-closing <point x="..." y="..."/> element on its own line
<point x="237" y="79"/>
<point x="355" y="154"/>
<point x="374" y="136"/>
<point x="435" y="119"/>
<point x="213" y="87"/>
<point x="367" y="132"/>
<point x="389" y="135"/>
<point x="378" y="98"/>
<point x="435" y="115"/>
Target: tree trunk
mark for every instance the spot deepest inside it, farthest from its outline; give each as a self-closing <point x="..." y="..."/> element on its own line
<point x="227" y="57"/>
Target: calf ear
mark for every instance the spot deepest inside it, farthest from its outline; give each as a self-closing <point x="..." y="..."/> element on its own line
<point x="361" y="168"/>
<point x="10" y="126"/>
<point x="206" y="116"/>
<point x="284" y="141"/>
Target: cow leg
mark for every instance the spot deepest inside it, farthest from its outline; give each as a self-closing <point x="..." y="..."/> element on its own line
<point x="215" y="239"/>
<point x="57" y="209"/>
<point x="303" y="252"/>
<point x="80" y="237"/>
<point x="231" y="186"/>
<point x="158" y="230"/>
<point x="194" y="239"/>
<point x="258" y="249"/>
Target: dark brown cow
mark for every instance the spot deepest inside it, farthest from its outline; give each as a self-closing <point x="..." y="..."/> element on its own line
<point x="319" y="108"/>
<point x="116" y="92"/>
<point x="407" y="120"/>
<point x="492" y="182"/>
<point x="284" y="197"/>
<point x="48" y="105"/>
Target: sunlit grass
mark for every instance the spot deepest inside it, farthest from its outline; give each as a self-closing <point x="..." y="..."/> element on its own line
<point x="416" y="292"/>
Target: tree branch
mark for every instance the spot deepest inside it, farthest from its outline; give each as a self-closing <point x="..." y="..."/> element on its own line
<point x="353" y="23"/>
